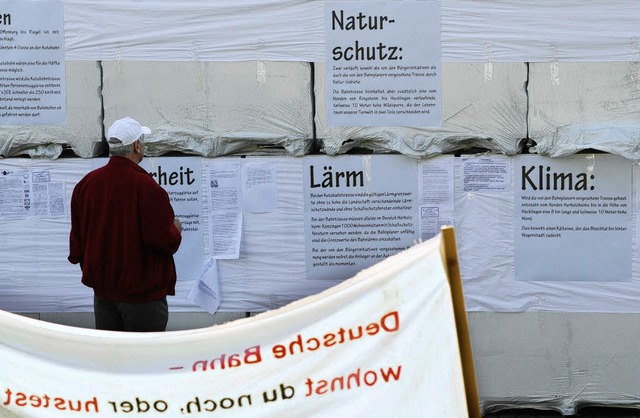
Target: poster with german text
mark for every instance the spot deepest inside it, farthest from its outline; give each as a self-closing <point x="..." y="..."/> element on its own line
<point x="383" y="63"/>
<point x="573" y="218"/>
<point x="358" y="210"/>
<point x="32" y="63"/>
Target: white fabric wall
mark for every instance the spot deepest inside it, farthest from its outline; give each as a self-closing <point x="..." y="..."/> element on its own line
<point x="271" y="269"/>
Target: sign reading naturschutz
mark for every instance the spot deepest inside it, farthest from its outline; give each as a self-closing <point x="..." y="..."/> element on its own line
<point x="383" y="62"/>
<point x="32" y="63"/>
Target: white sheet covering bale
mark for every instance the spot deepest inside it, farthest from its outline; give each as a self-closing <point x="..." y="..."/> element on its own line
<point x="82" y="132"/>
<point x="214" y="108"/>
<point x="293" y="30"/>
<point x="577" y="106"/>
<point x="483" y="106"/>
<point x="555" y="360"/>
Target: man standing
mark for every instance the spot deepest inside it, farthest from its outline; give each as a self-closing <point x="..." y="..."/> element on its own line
<point x="124" y="234"/>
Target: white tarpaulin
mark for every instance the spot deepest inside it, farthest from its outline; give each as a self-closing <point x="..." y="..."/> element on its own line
<point x="293" y="30"/>
<point x="382" y="344"/>
<point x="203" y="75"/>
<point x="580" y="106"/>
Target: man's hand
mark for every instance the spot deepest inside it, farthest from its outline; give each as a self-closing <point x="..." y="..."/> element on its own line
<point x="178" y="225"/>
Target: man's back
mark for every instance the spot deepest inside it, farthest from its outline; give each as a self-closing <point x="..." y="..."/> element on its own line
<point x="123" y="233"/>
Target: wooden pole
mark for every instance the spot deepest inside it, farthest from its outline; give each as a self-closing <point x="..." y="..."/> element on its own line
<point x="449" y="253"/>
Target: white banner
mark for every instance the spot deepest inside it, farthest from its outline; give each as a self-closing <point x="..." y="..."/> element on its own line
<point x="382" y="344"/>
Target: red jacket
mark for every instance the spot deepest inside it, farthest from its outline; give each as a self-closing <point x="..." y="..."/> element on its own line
<point x="122" y="233"/>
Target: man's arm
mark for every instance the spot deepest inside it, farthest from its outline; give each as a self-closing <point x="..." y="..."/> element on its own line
<point x="161" y="230"/>
<point x="76" y="246"/>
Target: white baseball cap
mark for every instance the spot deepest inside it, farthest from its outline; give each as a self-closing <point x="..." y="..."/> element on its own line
<point x="127" y="130"/>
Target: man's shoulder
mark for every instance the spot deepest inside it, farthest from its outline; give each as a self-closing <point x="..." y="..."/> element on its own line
<point x="122" y="173"/>
<point x="141" y="175"/>
<point x="97" y="172"/>
<point x="121" y="167"/>
<point x="140" y="178"/>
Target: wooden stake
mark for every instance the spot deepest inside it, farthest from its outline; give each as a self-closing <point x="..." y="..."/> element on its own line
<point x="449" y="251"/>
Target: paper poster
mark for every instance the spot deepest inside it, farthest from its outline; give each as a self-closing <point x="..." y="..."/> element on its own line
<point x="15" y="193"/>
<point x="224" y="186"/>
<point x="435" y="183"/>
<point x="482" y="174"/>
<point x="383" y="63"/>
<point x="181" y="177"/>
<point x="259" y="187"/>
<point x="573" y="218"/>
<point x="48" y="197"/>
<point x="32" y="63"/>
<point x="358" y="210"/>
<point x="206" y="292"/>
<point x="30" y="193"/>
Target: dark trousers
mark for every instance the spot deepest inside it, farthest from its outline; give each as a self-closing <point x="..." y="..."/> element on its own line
<point x="135" y="317"/>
